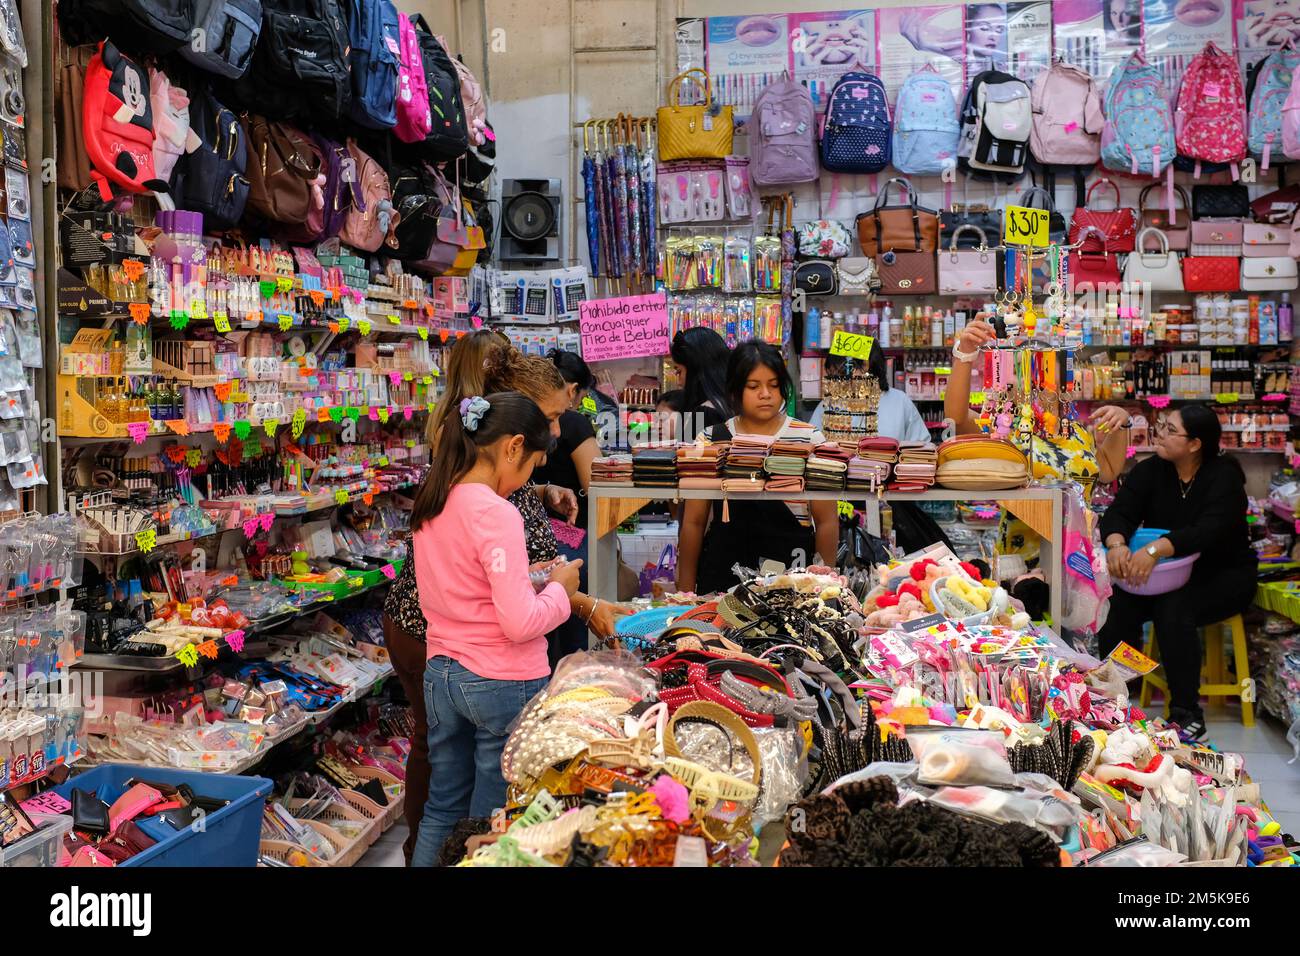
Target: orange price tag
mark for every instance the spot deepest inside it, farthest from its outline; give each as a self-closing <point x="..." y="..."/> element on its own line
<point x="222" y="431"/>
<point x="254" y="317"/>
<point x="140" y="312"/>
<point x="410" y="304"/>
<point x="444" y="334"/>
<point x="317" y="298"/>
<point x="133" y="269"/>
<point x="179" y="425"/>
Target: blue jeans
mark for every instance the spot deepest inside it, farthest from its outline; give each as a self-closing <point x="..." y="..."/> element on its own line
<point x="571" y="636"/>
<point x="468" y="716"/>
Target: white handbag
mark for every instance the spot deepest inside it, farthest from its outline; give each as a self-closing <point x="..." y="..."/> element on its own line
<point x="858" y="276"/>
<point x="963" y="271"/>
<point x="1274" y="274"/>
<point x="1159" y="270"/>
<point x="1263" y="239"/>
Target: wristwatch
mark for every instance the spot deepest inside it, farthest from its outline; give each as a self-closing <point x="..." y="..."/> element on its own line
<point x="967" y="357"/>
<point x="1151" y="550"/>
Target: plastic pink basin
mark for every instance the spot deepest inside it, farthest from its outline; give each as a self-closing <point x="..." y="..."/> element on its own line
<point x="1168" y="575"/>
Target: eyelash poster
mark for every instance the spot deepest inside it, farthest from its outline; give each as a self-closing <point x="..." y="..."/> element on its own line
<point x="825" y="46"/>
<point x="744" y="55"/>
<point x="1096" y="35"/>
<point x="1029" y="39"/>
<point x="914" y="37"/>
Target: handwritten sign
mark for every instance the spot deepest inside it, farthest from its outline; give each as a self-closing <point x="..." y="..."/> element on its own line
<point x="1025" y="227"/>
<point x="567" y="534"/>
<point x="626" y="327"/>
<point x="852" y="345"/>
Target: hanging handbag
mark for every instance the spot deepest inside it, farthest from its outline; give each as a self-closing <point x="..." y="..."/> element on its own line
<point x="1261" y="240"/>
<point x="1176" y="225"/>
<point x="857" y="276"/>
<point x="1220" y="202"/>
<point x="1118" y="225"/>
<point x="1056" y="232"/>
<point x="988" y="221"/>
<point x="825" y="239"/>
<point x="907" y="227"/>
<point x="1277" y="207"/>
<point x="907" y="273"/>
<point x="1211" y="274"/>
<point x="283" y="166"/>
<point x="1159" y="270"/>
<point x="694" y="132"/>
<point x="1274" y="274"/>
<point x="964" y="271"/>
<point x="1095" y="268"/>
<point x="815" y="277"/>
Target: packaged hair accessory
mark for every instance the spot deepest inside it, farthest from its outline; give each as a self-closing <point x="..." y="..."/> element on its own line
<point x="680" y="267"/>
<point x="736" y="272"/>
<point x="960" y="757"/>
<point x="767" y="264"/>
<point x="739" y="198"/>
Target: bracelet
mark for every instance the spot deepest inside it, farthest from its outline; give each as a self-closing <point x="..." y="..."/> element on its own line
<point x="595" y="604"/>
<point x="967" y="357"/>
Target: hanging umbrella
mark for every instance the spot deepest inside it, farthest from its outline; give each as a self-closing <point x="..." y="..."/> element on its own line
<point x="632" y="161"/>
<point x="618" y="194"/>
<point x="602" y="203"/>
<point x="649" y="196"/>
<point x="590" y="201"/>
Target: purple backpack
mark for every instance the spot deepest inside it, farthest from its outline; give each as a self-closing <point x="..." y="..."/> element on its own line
<point x="783" y="136"/>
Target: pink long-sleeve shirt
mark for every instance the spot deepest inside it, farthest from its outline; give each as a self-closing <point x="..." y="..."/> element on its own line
<point x="471" y="569"/>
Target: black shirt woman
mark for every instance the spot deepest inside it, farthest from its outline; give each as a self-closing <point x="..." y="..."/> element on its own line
<point x="1199" y="495"/>
<point x="701" y="356"/>
<point x="569" y="466"/>
<point x="759" y="389"/>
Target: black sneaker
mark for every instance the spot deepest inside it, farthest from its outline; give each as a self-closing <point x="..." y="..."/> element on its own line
<point x="1193" y="729"/>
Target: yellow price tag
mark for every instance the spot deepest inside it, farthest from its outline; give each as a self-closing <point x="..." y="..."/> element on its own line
<point x="1227" y="398"/>
<point x="424" y="333"/>
<point x="978" y="398"/>
<point x="145" y="540"/>
<point x="286" y="322"/>
<point x="363" y="326"/>
<point x="589" y="405"/>
<point x="198" y="309"/>
<point x="340" y="497"/>
<point x="344" y="323"/>
<point x="284" y="284"/>
<point x="222" y="321"/>
<point x="844" y="508"/>
<point x="1022" y="226"/>
<point x="851" y="345"/>
<point x="395" y="320"/>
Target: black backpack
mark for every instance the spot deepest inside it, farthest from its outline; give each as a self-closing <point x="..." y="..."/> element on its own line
<point x="300" y="70"/>
<point x="135" y="26"/>
<point x="211" y="179"/>
<point x="229" y="36"/>
<point x="449" y="138"/>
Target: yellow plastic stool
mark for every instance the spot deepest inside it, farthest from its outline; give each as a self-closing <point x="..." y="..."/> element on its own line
<point x="1213" y="674"/>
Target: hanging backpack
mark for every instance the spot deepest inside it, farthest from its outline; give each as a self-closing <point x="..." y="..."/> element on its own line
<point x="117" y="123"/>
<point x="449" y="137"/>
<point x="1210" y="122"/>
<point x="300" y="69"/>
<point x="171" y="125"/>
<point x="1138" y="137"/>
<point x="1291" y="120"/>
<point x="225" y="36"/>
<point x="371" y="217"/>
<point x="997" y="118"/>
<point x="926" y="129"/>
<point x="858" y="135"/>
<point x="472" y="98"/>
<point x="783" y="136"/>
<point x="1067" y="118"/>
<point x="284" y="171"/>
<point x="375" y="59"/>
<point x="144" y="26"/>
<point x="210" y="177"/>
<point x="414" y="118"/>
<point x="1268" y="87"/>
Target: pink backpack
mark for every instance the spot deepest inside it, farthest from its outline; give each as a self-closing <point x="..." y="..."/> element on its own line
<point x="471" y="95"/>
<point x="371" y="218"/>
<point x="1210" y="122"/>
<point x="414" y="118"/>
<point x="1067" y="118"/>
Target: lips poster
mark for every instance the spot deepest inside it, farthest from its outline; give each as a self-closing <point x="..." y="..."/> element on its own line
<point x="1183" y="27"/>
<point x="910" y="38"/>
<point x="744" y="55"/>
<point x="825" y="46"/>
<point x="1268" y="23"/>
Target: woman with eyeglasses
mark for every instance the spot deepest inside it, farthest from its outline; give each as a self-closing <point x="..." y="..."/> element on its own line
<point x="1199" y="495"/>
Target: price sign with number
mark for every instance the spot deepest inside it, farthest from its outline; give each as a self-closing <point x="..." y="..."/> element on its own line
<point x="851" y="345"/>
<point x="1025" y="227"/>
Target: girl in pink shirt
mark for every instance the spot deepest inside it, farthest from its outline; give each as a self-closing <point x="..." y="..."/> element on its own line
<point x="486" y="624"/>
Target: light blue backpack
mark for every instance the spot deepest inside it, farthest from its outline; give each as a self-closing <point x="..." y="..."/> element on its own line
<point x="1138" y="137"/>
<point x="926" y="128"/>
<point x="1267" y="88"/>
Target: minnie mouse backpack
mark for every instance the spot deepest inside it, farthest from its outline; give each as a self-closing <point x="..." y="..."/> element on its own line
<point x="117" y="124"/>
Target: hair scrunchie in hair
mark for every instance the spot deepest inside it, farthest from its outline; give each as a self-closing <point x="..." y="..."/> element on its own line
<point x="472" y="411"/>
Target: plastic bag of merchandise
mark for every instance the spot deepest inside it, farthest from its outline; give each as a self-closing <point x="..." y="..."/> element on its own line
<point x="615" y="671"/>
<point x="784" y="772"/>
<point x="1137" y="852"/>
<point x="951" y="756"/>
<point x="1087" y="580"/>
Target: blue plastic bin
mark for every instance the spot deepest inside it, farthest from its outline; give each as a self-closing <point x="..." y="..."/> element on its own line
<point x="230" y="836"/>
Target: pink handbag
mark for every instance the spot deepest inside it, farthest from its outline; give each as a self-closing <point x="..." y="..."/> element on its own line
<point x="1217" y="232"/>
<point x="1262" y="239"/>
<point x="131" y="804"/>
<point x="963" y="271"/>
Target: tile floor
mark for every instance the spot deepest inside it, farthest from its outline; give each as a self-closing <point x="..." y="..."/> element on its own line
<point x="1264" y="746"/>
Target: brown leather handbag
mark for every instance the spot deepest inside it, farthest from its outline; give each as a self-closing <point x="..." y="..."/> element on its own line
<point x="909" y="227"/>
<point x="908" y="273"/>
<point x="1176" y="225"/>
<point x="283" y="163"/>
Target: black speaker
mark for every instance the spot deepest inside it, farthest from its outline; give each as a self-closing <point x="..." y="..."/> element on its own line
<point x="531" y="213"/>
